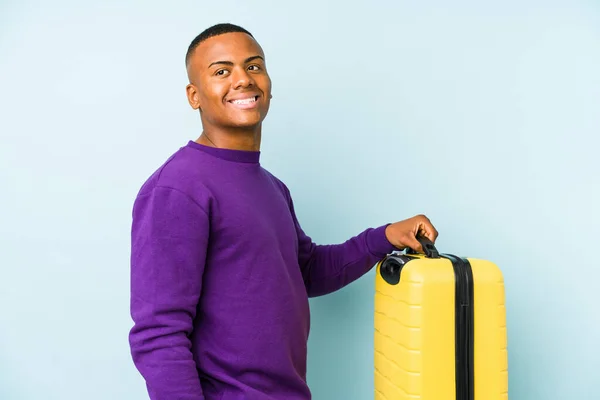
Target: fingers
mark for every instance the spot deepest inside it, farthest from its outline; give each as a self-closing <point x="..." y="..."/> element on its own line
<point x="405" y="233"/>
<point x="426" y="228"/>
<point x="413" y="243"/>
<point x="429" y="232"/>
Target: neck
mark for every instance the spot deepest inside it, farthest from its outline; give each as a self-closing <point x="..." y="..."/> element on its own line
<point x="232" y="138"/>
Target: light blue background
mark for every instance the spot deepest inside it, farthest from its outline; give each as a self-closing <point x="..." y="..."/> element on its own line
<point x="485" y="117"/>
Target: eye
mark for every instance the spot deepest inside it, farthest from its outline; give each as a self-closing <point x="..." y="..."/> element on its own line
<point x="221" y="72"/>
<point x="254" y="67"/>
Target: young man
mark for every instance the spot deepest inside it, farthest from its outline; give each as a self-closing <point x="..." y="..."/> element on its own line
<point x="221" y="270"/>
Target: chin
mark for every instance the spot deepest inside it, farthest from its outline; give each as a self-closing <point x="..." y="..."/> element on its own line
<point x="245" y="125"/>
<point x="248" y="122"/>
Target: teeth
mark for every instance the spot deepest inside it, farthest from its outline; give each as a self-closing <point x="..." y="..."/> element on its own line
<point x="245" y="101"/>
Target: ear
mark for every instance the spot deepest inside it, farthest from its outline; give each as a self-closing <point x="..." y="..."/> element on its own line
<point x="192" y="95"/>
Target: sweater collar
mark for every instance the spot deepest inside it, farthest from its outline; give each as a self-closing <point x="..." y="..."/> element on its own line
<point x="241" y="156"/>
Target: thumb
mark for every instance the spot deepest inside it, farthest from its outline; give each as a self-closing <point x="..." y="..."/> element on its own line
<point x="414" y="244"/>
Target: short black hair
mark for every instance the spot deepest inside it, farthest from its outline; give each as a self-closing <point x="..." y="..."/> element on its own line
<point x="214" y="30"/>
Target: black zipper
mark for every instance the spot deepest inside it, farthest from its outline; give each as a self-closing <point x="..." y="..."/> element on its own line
<point x="463" y="327"/>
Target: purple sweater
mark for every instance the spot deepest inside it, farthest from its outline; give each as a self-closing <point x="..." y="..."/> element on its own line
<point x="221" y="273"/>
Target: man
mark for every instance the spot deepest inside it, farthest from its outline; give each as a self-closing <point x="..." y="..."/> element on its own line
<point x="221" y="270"/>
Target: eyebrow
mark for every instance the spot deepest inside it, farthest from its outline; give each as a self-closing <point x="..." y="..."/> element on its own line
<point x="247" y="60"/>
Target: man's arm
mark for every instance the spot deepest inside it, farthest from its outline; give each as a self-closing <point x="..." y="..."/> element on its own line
<point x="327" y="268"/>
<point x="169" y="242"/>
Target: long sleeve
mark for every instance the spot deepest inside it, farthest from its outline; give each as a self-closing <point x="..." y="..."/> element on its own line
<point x="327" y="268"/>
<point x="169" y="243"/>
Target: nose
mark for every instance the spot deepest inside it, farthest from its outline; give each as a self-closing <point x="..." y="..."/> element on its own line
<point x="241" y="78"/>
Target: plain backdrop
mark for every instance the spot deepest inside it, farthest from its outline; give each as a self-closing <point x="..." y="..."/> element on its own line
<point x="485" y="116"/>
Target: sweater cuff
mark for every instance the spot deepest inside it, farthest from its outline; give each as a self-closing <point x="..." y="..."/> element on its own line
<point x="378" y="243"/>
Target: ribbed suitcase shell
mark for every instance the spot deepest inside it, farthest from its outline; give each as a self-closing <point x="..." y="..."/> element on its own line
<point x="415" y="332"/>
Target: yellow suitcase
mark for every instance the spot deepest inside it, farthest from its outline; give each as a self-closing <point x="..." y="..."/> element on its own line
<point x="440" y="328"/>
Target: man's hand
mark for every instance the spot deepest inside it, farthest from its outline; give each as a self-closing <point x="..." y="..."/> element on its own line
<point x="404" y="234"/>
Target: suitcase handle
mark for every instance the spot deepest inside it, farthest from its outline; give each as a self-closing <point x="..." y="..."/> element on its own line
<point x="428" y="248"/>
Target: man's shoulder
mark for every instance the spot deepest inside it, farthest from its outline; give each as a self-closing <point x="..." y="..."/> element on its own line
<point x="278" y="182"/>
<point x="182" y="171"/>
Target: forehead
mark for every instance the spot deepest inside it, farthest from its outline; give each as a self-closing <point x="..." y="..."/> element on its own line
<point x="234" y="47"/>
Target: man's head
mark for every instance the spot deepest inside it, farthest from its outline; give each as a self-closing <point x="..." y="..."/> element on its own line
<point x="228" y="79"/>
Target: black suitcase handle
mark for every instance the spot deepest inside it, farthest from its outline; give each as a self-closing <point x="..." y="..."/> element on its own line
<point x="428" y="248"/>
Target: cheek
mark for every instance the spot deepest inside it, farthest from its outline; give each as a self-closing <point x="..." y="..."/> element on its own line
<point x="267" y="85"/>
<point x="213" y="94"/>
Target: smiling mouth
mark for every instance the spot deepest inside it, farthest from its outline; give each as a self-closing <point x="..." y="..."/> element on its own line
<point x="248" y="100"/>
<point x="247" y="103"/>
